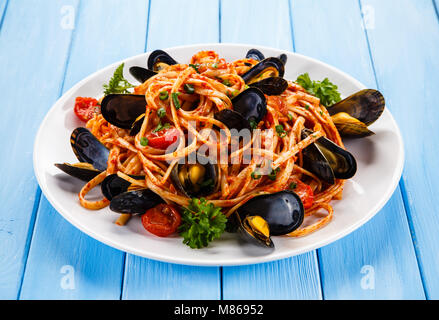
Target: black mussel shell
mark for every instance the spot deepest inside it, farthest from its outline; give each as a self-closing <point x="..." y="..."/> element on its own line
<point x="250" y="233"/>
<point x="255" y="54"/>
<point x="88" y="148"/>
<point x="283" y="211"/>
<point x="207" y="180"/>
<point x="283" y="57"/>
<point x="158" y="57"/>
<point x="141" y="74"/>
<point x="232" y="119"/>
<point x="251" y="104"/>
<point x="327" y="160"/>
<point x="122" y="110"/>
<point x="135" y="202"/>
<point x="366" y="106"/>
<point x="114" y="185"/>
<point x="79" y="171"/>
<point x="137" y="125"/>
<point x="272" y="86"/>
<point x="275" y="65"/>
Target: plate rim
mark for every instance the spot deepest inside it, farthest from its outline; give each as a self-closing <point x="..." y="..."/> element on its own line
<point x="233" y="261"/>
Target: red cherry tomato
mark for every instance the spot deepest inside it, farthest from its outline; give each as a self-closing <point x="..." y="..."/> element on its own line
<point x="163" y="138"/>
<point x="162" y="220"/>
<point x="85" y="108"/>
<point x="303" y="190"/>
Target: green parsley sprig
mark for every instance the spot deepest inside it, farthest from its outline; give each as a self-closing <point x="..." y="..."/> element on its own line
<point x="201" y="223"/>
<point x="117" y="84"/>
<point x="325" y="90"/>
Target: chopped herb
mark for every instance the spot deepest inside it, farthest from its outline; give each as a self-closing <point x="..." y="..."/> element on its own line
<point x="280" y="131"/>
<point x="144" y="141"/>
<point x="163" y="95"/>
<point x="175" y="100"/>
<point x="256" y="175"/>
<point x="321" y="113"/>
<point x="117" y="84"/>
<point x="246" y="87"/>
<point x="306" y="107"/>
<point x="195" y="66"/>
<point x="273" y="174"/>
<point x="253" y="124"/>
<point x="235" y="93"/>
<point x="215" y="65"/>
<point x="161" y="126"/>
<point x="189" y="88"/>
<point x="293" y="185"/>
<point x="325" y="90"/>
<point x="201" y="223"/>
<point x="227" y="83"/>
<point x="161" y="112"/>
<point x="290" y="116"/>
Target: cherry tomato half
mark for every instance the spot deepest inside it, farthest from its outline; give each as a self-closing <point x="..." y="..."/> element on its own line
<point x="162" y="220"/>
<point x="85" y="108"/>
<point x="303" y="190"/>
<point x="163" y="138"/>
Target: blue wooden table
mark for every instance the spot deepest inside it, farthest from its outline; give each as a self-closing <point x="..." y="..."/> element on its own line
<point x="46" y="46"/>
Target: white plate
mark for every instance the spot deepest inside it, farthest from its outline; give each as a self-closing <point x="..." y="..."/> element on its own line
<point x="380" y="161"/>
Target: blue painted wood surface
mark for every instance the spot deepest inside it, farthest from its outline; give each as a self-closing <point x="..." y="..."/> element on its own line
<point x="392" y="256"/>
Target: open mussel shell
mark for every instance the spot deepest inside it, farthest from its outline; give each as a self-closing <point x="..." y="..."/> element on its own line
<point x="114" y="185"/>
<point x="135" y="201"/>
<point x="255" y="54"/>
<point x="272" y="86"/>
<point x="327" y="160"/>
<point x="255" y="230"/>
<point x="350" y="127"/>
<point x="195" y="179"/>
<point x="269" y="67"/>
<point x="142" y="74"/>
<point x="251" y="104"/>
<point x="137" y="125"/>
<point x="366" y="106"/>
<point x="82" y="171"/>
<point x="283" y="211"/>
<point x="89" y="149"/>
<point x="159" y="59"/>
<point x="122" y="110"/>
<point x="283" y="57"/>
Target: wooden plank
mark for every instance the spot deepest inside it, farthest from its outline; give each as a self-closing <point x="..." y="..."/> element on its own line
<point x="31" y="44"/>
<point x="405" y="50"/>
<point x="193" y="21"/>
<point x="63" y="262"/>
<point x="333" y="32"/>
<point x="297" y="277"/>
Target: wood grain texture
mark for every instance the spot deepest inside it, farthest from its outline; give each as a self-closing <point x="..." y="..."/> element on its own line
<point x="30" y="84"/>
<point x="297" y="277"/>
<point x="105" y="31"/>
<point x="405" y="52"/>
<point x="384" y="243"/>
<point x="148" y="279"/>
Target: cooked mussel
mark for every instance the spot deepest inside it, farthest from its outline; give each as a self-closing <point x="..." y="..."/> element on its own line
<point x="327" y="160"/>
<point x="141" y="74"/>
<point x="283" y="57"/>
<point x="113" y="185"/>
<point x="272" y="86"/>
<point x="135" y="201"/>
<point x="354" y="114"/>
<point x="249" y="107"/>
<point x="255" y="54"/>
<point x="89" y="149"/>
<point x="255" y="230"/>
<point x="122" y="110"/>
<point x="283" y="211"/>
<point x="195" y="179"/>
<point x="82" y="171"/>
<point x="159" y="60"/>
<point x="269" y="67"/>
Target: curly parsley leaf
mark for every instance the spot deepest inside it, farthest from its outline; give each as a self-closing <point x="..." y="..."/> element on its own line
<point x="117" y="84"/>
<point x="325" y="90"/>
<point x="201" y="223"/>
